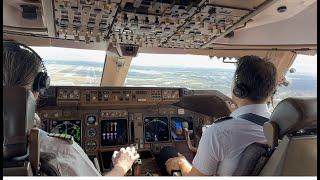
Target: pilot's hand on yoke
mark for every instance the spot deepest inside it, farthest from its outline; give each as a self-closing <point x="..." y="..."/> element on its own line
<point x="173" y="164"/>
<point x="125" y="158"/>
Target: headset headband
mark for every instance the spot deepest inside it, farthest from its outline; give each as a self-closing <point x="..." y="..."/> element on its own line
<point x="42" y="80"/>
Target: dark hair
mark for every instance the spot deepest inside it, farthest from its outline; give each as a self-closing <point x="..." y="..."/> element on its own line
<point x="19" y="67"/>
<point x="258" y="75"/>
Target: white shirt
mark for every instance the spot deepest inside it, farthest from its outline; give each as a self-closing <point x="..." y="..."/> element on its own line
<point x="72" y="160"/>
<point x="221" y="145"/>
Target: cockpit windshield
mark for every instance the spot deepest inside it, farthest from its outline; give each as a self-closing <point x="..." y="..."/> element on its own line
<point x="189" y="71"/>
<point x="73" y="67"/>
<point x="300" y="79"/>
<point x="80" y="67"/>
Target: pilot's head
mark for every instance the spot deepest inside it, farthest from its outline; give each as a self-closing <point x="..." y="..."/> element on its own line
<point x="254" y="81"/>
<point x="23" y="67"/>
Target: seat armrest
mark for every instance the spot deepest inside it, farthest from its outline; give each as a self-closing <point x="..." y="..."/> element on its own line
<point x="34" y="149"/>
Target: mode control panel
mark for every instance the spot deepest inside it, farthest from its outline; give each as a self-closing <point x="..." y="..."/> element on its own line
<point x="68" y="94"/>
<point x="102" y="96"/>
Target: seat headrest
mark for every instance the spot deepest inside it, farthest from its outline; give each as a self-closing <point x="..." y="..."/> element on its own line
<point x="293" y="114"/>
<point x="18" y="118"/>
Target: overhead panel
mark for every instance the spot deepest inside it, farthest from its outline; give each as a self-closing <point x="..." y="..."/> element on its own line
<point x="149" y="23"/>
<point x="209" y="21"/>
<point x="84" y="20"/>
<point x="187" y="24"/>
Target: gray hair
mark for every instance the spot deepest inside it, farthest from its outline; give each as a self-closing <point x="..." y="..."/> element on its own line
<point x="20" y="67"/>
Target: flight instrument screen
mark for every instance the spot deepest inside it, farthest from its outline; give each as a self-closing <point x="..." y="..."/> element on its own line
<point x="71" y="127"/>
<point x="156" y="129"/>
<point x="114" y="132"/>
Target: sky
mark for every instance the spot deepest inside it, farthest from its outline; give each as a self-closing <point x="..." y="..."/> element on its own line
<point x="303" y="63"/>
<point x="70" y="54"/>
<point x="174" y="60"/>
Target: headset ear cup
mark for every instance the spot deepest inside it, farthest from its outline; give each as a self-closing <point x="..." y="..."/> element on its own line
<point x="42" y="81"/>
<point x="47" y="82"/>
<point x="36" y="82"/>
<point x="240" y="90"/>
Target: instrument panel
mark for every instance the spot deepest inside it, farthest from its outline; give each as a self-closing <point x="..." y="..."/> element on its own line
<point x="104" y="119"/>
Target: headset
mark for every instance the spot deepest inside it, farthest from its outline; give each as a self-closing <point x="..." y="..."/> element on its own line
<point x="240" y="89"/>
<point x="42" y="80"/>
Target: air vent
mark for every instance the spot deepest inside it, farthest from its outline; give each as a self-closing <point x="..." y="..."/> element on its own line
<point x="29" y="11"/>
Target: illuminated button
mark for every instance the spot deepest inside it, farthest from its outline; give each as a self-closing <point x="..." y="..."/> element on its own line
<point x="75" y="92"/>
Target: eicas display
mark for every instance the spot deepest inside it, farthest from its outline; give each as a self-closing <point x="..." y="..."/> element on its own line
<point x="114" y="132"/>
<point x="71" y="127"/>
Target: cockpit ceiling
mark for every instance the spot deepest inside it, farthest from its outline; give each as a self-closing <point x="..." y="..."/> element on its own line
<point x="183" y="24"/>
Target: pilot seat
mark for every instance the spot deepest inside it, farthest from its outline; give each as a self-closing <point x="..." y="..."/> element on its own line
<point x="291" y="148"/>
<point x="21" y="147"/>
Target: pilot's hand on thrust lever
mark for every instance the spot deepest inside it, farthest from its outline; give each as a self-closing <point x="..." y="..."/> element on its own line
<point x="125" y="158"/>
<point x="174" y="163"/>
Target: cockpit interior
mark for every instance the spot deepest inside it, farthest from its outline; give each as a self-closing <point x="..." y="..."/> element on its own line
<point x="102" y="119"/>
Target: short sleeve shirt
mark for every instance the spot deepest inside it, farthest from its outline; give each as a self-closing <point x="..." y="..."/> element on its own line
<point x="72" y="160"/>
<point x="221" y="145"/>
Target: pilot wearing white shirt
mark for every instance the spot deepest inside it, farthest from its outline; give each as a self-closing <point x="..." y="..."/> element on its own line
<point x="72" y="160"/>
<point x="222" y="144"/>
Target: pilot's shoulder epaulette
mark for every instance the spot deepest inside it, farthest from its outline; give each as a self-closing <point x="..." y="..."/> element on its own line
<point x="66" y="137"/>
<point x="222" y="119"/>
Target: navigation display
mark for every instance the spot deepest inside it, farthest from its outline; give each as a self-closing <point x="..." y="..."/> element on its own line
<point x="71" y="127"/>
<point x="177" y="125"/>
<point x="114" y="132"/>
<point x="156" y="129"/>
